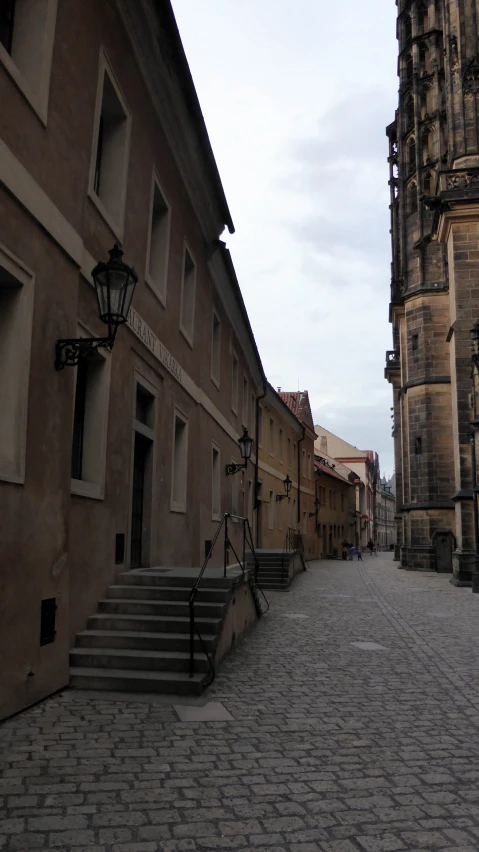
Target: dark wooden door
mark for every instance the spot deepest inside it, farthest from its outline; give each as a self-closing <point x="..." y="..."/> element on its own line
<point x="137" y="500"/>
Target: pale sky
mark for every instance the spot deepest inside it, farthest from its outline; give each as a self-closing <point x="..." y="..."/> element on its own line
<point x="296" y="98"/>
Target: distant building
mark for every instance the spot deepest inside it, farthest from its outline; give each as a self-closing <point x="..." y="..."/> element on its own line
<point x="336" y="518"/>
<point x="385" y="537"/>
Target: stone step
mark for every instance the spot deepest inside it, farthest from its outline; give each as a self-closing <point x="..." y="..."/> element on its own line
<point x="168" y="593"/>
<point x="126" y="606"/>
<point x="139" y="641"/>
<point x="124" y="680"/>
<point x="151" y="623"/>
<point x="266" y="586"/>
<point x="148" y="578"/>
<point x="272" y="577"/>
<point x="134" y="660"/>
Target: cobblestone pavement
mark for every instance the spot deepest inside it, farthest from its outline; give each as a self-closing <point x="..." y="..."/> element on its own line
<point x="355" y="707"/>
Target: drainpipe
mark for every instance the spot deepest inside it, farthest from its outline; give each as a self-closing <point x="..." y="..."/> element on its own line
<point x="299" y="478"/>
<point x="256" y="466"/>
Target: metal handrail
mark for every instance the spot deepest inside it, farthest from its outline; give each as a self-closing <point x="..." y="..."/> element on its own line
<point x="247" y="541"/>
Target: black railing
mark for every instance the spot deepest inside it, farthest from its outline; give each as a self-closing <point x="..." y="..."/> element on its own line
<point x="294" y="544"/>
<point x="248" y="549"/>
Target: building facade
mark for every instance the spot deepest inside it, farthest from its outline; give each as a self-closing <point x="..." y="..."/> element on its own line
<point x="364" y="465"/>
<point x="119" y="462"/>
<point x="285" y="449"/>
<point x="337" y="519"/>
<point x="434" y="183"/>
<point x="385" y="534"/>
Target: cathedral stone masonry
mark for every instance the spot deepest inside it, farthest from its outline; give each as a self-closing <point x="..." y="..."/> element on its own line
<point x="434" y="185"/>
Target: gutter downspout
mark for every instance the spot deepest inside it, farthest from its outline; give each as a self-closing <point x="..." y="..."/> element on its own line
<point x="299" y="478"/>
<point x="256" y="466"/>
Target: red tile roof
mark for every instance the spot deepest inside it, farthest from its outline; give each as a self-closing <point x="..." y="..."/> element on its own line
<point x="324" y="468"/>
<point x="298" y="403"/>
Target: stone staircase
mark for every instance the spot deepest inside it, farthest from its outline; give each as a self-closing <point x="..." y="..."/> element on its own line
<point x="138" y="641"/>
<point x="273" y="569"/>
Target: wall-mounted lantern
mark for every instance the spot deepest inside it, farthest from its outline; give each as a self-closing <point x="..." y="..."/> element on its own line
<point x="245" y="444"/>
<point x="114" y="285"/>
<point x="287" y="487"/>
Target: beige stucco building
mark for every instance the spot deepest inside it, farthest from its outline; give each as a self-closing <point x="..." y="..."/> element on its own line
<point x="119" y="462"/>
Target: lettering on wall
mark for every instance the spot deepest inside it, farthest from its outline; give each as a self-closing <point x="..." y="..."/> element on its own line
<point x="147" y="336"/>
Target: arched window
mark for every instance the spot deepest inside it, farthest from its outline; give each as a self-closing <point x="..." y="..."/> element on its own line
<point x="407" y="29"/>
<point x="409" y="68"/>
<point x="422" y="19"/>
<point x="410" y="110"/>
<point x="428" y="183"/>
<point x="411" y="154"/>
<point x="423" y="58"/>
<point x="412" y="198"/>
<point x="426" y="147"/>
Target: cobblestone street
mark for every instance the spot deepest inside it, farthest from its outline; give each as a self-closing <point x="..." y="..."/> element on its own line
<point x="354" y="704"/>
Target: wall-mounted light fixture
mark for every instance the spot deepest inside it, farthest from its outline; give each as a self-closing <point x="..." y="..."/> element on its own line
<point x="245" y="444"/>
<point x="287" y="487"/>
<point x="114" y="285"/>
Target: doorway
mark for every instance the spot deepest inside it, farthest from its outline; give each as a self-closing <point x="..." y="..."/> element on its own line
<point x="142" y="447"/>
<point x="443" y="544"/>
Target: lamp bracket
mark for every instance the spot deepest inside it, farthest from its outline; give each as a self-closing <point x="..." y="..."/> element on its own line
<point x="69" y="352"/>
<point x="280" y="497"/>
<point x="231" y="469"/>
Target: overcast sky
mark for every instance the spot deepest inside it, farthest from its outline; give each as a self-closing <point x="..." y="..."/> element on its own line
<point x="296" y="98"/>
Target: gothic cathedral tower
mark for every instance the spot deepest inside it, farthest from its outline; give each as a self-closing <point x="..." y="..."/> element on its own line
<point x="434" y="181"/>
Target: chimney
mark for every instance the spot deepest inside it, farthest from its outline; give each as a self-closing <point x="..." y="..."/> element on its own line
<point x="323" y="446"/>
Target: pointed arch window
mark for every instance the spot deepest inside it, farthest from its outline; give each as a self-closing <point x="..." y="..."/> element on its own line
<point x="407" y="29"/>
<point x="422" y="19"/>
<point x="411" y="154"/>
<point x="412" y="198"/>
<point x="424" y="64"/>
<point x="410" y="110"/>
<point x="427" y="149"/>
<point x="409" y="66"/>
<point x="428" y="183"/>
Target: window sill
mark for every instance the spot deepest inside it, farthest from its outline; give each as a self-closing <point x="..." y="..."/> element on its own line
<point x="14" y="478"/>
<point x="215" y="381"/>
<point x="115" y="227"/>
<point x="159" y="294"/>
<point x="216" y="517"/>
<point x="36" y="102"/>
<point x="82" y="488"/>
<point x="180" y="508"/>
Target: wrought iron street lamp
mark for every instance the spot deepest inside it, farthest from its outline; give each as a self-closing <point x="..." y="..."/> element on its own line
<point x="245" y="444"/>
<point x="115" y="283"/>
<point x="287" y="487"/>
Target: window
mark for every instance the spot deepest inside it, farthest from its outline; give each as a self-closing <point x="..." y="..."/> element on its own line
<point x="330" y="499"/>
<point x="407" y="29"/>
<point x="411" y="154"/>
<point x="305" y="523"/>
<point x="414" y="342"/>
<point x="412" y="198"/>
<point x="90" y="420"/>
<point x="16" y="309"/>
<point x="280" y="445"/>
<point x="250" y="501"/>
<point x="289" y="452"/>
<point x="410" y="110"/>
<point x="424" y="59"/>
<point x="427" y="147"/>
<point x="422" y="19"/>
<point x="271" y="510"/>
<point x="27" y="29"/>
<point x="188" y="287"/>
<point x="427" y="184"/>
<point x="271" y="436"/>
<point x="144" y="406"/>
<point x="215" y="485"/>
<point x="253" y="415"/>
<point x="304" y="464"/>
<point x="158" y="242"/>
<point x="260" y="426"/>
<point x="245" y="401"/>
<point x="409" y="67"/>
<point x="280" y="510"/>
<point x="180" y="462"/>
<point x="417" y="446"/>
<point x="234" y="384"/>
<point x="110" y="150"/>
<point x="342" y="502"/>
<point x="215" y="349"/>
<point x="309" y="470"/>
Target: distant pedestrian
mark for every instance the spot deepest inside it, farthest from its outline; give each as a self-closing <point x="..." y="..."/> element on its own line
<point x="352" y="551"/>
<point x="370" y="546"/>
<point x="359" y="554"/>
<point x="375" y="548"/>
<point x="344" y="550"/>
